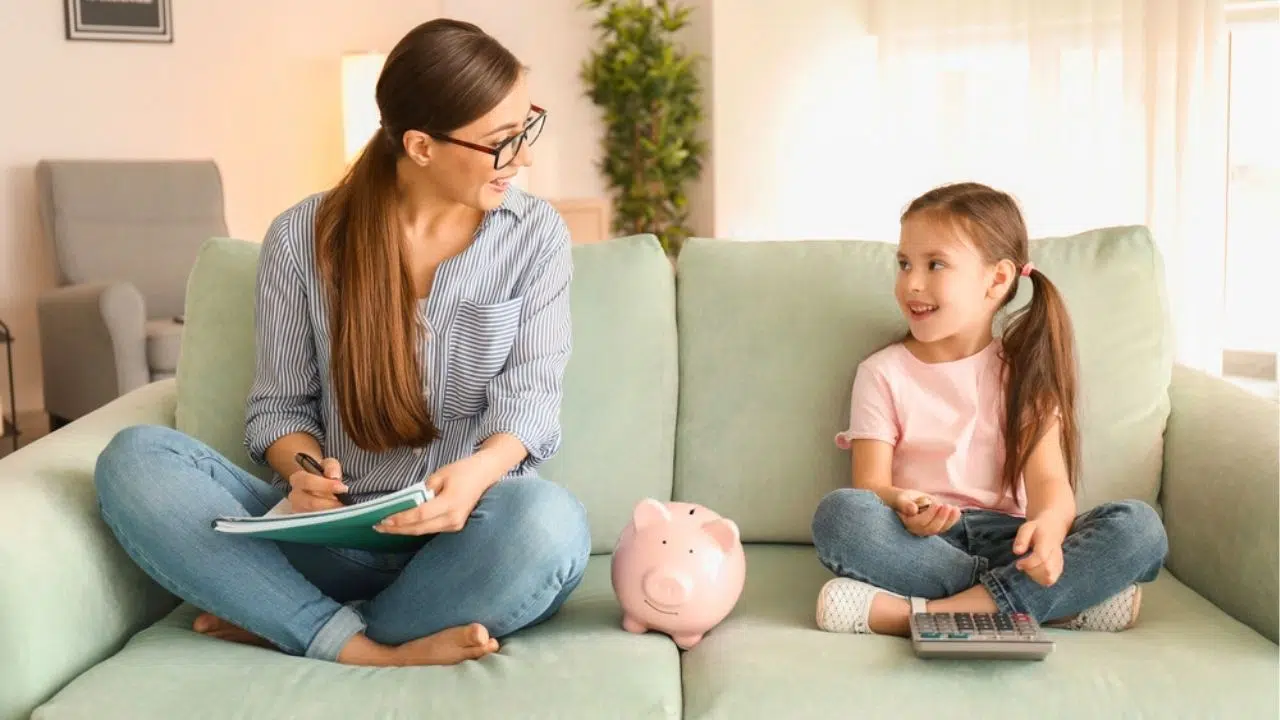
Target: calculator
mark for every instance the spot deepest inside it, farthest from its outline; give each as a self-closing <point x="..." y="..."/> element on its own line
<point x="991" y="636"/>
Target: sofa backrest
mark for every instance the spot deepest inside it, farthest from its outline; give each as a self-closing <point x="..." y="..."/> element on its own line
<point x="769" y="336"/>
<point x="216" y="367"/>
<point x="771" y="333"/>
<point x="619" y="411"/>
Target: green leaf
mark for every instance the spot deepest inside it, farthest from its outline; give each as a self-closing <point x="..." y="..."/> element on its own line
<point x="646" y="85"/>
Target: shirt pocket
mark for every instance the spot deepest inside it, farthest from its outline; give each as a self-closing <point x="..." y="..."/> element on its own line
<point x="480" y="341"/>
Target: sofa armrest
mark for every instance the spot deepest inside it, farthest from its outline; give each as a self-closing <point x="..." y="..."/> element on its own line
<point x="93" y="345"/>
<point x="69" y="596"/>
<point x="1220" y="496"/>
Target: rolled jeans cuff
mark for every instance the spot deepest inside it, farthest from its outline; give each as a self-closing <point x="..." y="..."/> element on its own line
<point x="335" y="633"/>
<point x="999" y="593"/>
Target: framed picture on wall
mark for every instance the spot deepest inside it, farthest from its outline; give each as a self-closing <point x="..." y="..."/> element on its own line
<point x="120" y="20"/>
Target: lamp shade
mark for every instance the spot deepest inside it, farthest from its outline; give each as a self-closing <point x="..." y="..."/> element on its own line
<point x="360" y="116"/>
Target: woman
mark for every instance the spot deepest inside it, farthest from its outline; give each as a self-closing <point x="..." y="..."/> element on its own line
<point x="411" y="322"/>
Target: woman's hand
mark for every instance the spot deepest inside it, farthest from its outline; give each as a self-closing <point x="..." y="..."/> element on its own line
<point x="1044" y="563"/>
<point x="458" y="488"/>
<point x="309" y="492"/>
<point x="932" y="519"/>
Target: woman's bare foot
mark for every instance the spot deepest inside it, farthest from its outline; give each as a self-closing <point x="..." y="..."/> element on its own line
<point x="214" y="626"/>
<point x="447" y="647"/>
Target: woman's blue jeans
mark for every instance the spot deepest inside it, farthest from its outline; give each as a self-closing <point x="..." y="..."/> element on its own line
<point x="522" y="552"/>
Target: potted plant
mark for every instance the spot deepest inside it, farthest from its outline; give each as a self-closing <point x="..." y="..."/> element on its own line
<point x="647" y="87"/>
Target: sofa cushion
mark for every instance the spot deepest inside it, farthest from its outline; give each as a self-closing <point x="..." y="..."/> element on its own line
<point x="578" y="664"/>
<point x="1185" y="658"/>
<point x="619" y="409"/>
<point x="772" y="332"/>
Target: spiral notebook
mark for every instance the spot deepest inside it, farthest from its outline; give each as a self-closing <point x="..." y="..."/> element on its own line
<point x="350" y="526"/>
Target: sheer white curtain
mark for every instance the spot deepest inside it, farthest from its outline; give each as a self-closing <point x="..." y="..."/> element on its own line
<point x="1091" y="112"/>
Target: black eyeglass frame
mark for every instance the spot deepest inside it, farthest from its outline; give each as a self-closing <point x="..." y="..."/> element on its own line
<point x="539" y="120"/>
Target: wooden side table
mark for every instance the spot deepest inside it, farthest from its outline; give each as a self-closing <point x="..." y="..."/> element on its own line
<point x="9" y="410"/>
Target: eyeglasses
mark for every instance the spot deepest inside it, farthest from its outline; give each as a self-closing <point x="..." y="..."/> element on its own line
<point x="506" y="151"/>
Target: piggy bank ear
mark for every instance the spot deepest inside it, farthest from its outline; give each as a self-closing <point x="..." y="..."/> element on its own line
<point x="724" y="531"/>
<point x="650" y="512"/>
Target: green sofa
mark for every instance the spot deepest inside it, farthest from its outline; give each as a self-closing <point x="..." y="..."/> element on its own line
<point x="723" y="383"/>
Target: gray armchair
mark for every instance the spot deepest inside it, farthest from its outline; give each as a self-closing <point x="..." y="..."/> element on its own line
<point x="125" y="235"/>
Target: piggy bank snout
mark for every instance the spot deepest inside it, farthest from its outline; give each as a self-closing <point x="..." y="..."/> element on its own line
<point x="667" y="586"/>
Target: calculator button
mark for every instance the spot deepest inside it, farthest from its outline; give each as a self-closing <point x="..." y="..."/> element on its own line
<point x="930" y="635"/>
<point x="958" y="635"/>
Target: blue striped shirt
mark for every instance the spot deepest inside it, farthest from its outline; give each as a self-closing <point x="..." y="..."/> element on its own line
<point x="499" y="337"/>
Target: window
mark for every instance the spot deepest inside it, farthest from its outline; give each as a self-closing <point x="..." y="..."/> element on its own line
<point x="1252" y="289"/>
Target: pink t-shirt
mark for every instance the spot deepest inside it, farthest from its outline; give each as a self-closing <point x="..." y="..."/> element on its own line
<point x="943" y="420"/>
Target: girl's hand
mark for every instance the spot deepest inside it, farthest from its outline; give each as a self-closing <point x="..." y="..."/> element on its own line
<point x="309" y="493"/>
<point x="1044" y="563"/>
<point x="933" y="519"/>
<point x="458" y="488"/>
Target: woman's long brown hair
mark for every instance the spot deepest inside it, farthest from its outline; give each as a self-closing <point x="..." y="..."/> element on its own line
<point x="1038" y="344"/>
<point x="441" y="76"/>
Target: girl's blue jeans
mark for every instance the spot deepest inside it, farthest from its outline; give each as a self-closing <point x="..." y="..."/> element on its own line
<point x="1108" y="549"/>
<point x="521" y="553"/>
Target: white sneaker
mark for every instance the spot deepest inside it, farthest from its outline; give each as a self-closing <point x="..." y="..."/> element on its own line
<point x="1116" y="613"/>
<point x="844" y="605"/>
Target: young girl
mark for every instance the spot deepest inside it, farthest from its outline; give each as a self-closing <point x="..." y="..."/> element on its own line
<point x="940" y="517"/>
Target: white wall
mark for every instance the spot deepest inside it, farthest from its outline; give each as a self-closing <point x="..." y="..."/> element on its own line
<point x="785" y="93"/>
<point x="253" y="84"/>
<point x="699" y="39"/>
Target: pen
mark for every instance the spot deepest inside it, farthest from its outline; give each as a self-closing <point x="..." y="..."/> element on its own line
<point x="312" y="466"/>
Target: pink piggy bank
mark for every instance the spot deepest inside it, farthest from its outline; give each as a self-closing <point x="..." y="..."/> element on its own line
<point x="678" y="568"/>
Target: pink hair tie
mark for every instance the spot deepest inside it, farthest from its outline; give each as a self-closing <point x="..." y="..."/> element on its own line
<point x="1026" y="269"/>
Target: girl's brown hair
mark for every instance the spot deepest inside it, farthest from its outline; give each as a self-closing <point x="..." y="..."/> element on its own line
<point x="1038" y="341"/>
<point x="441" y="76"/>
